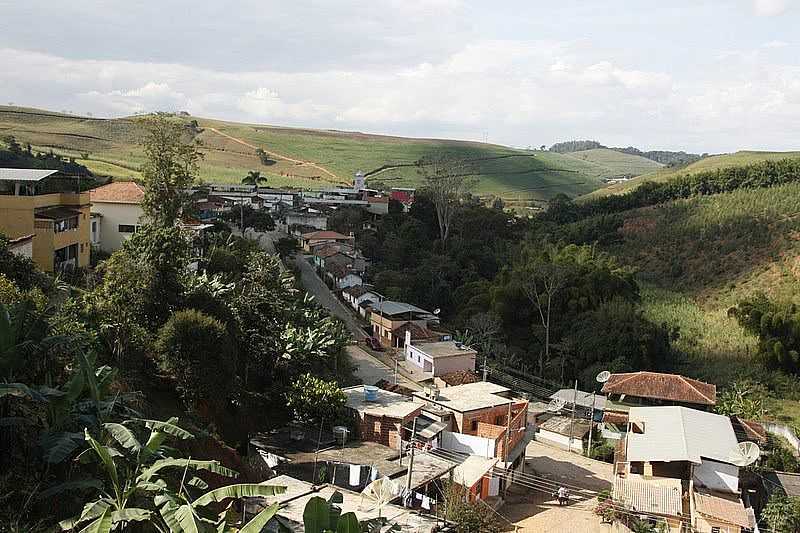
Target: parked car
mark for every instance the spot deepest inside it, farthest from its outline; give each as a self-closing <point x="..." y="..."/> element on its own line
<point x="374" y="343"/>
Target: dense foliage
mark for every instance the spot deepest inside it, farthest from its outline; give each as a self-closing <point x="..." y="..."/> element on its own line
<point x="664" y="157"/>
<point x="756" y="175"/>
<point x="15" y="156"/>
<point x="782" y="513"/>
<point x="315" y="400"/>
<point x="575" y="146"/>
<point x="777" y="326"/>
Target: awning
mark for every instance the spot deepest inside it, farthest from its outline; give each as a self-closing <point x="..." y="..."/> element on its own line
<point x="432" y="430"/>
<point x="57" y="213"/>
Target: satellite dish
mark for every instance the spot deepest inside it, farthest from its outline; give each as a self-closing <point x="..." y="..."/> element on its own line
<point x="378" y="494"/>
<point x="556" y="405"/>
<point x="437" y="311"/>
<point x="603" y="376"/>
<point x="746" y="453"/>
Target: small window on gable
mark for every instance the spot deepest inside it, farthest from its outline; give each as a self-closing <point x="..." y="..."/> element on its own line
<point x="474" y="425"/>
<point x="637" y="428"/>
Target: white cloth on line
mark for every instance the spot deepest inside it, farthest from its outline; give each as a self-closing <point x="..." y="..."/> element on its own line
<point x="373" y="474"/>
<point x="355" y="475"/>
<point x="417" y="495"/>
<point x="494" y="486"/>
<point x="426" y="503"/>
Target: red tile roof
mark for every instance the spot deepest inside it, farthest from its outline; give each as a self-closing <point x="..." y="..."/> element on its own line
<point x="121" y="192"/>
<point x="655" y="385"/>
<point x="748" y="430"/>
<point x="461" y="377"/>
<point x="721" y="506"/>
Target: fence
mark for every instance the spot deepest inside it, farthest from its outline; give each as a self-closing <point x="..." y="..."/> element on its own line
<point x="784" y="431"/>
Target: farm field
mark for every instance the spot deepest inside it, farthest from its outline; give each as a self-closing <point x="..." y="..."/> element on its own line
<point x="617" y="163"/>
<point x="714" y="162"/>
<point x="307" y="158"/>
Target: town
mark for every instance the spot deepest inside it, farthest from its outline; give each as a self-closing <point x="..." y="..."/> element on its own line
<point x="421" y="266"/>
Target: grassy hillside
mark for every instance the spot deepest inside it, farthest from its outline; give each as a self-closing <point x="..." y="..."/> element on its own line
<point x="709" y="163"/>
<point x="617" y="163"/>
<point x="699" y="257"/>
<point x="305" y="158"/>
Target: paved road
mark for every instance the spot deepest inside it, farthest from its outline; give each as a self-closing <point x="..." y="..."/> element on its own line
<point x="316" y="287"/>
<point x="370" y="370"/>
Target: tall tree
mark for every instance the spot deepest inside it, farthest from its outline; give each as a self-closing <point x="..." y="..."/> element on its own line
<point x="254" y="179"/>
<point x="447" y="180"/>
<point x="169" y="169"/>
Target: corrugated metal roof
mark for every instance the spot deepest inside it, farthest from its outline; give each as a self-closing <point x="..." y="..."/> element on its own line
<point x="24" y="174"/>
<point x="679" y="434"/>
<point x="723" y="507"/>
<point x="661" y="496"/>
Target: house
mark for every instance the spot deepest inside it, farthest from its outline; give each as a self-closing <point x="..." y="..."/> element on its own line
<point x="655" y="388"/>
<point x="306" y="217"/>
<point x="328" y="257"/>
<point x="297" y="494"/>
<point x="583" y="402"/>
<point x="382" y="416"/>
<point x="436" y="359"/>
<point x="564" y="432"/>
<point x="682" y="443"/>
<point x="343" y="276"/>
<point x="360" y="293"/>
<point x="388" y="318"/>
<point x="22" y="246"/>
<point x="403" y="195"/>
<point x="316" y="237"/>
<point x="44" y="204"/>
<point x="718" y="512"/>
<point x="661" y="500"/>
<point x="117" y="213"/>
<point x="475" y="475"/>
<point x="378" y="204"/>
<point x="486" y="421"/>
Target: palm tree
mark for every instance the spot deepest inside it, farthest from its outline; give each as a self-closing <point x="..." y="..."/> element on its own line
<point x="254" y="179"/>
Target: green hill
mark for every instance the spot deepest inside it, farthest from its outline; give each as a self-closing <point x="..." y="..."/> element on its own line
<point x="617" y="163"/>
<point x="709" y="163"/>
<point x="303" y="157"/>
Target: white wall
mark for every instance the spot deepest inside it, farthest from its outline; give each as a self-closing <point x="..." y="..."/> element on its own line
<point x="717" y="476"/>
<point x="559" y="441"/>
<point x="459" y="442"/>
<point x="114" y="214"/>
<point x="349" y="280"/>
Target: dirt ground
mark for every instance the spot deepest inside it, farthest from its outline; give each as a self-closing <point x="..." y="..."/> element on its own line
<point x="532" y="510"/>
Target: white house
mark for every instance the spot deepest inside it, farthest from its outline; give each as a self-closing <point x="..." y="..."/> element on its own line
<point x="360" y="293"/>
<point x="439" y="358"/>
<point x="116" y="213"/>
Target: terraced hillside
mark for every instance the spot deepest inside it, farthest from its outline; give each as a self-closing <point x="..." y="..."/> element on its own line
<point x="709" y="163"/>
<point x="305" y="158"/>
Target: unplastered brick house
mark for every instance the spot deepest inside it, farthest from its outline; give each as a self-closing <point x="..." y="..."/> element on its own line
<point x="382" y="416"/>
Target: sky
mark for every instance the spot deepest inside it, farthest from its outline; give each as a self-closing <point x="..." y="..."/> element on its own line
<point x="698" y="75"/>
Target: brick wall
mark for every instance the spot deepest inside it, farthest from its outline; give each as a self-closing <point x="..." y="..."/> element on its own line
<point x="384" y="430"/>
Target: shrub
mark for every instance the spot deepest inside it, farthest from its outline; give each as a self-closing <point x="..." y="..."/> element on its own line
<point x="312" y="399"/>
<point x="196" y="350"/>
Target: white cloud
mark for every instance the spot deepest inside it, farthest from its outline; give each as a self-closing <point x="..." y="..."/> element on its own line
<point x="775" y="44"/>
<point x="770" y="8"/>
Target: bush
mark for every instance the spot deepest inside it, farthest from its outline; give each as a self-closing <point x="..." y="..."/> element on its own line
<point x="196" y="350"/>
<point x="782" y="513"/>
<point x="312" y="399"/>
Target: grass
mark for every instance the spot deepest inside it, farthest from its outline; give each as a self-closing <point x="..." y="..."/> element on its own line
<point x="306" y="158"/>
<point x="617" y="163"/>
<point x="709" y="163"/>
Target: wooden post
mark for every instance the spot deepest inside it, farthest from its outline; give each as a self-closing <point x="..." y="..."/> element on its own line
<point x="572" y="418"/>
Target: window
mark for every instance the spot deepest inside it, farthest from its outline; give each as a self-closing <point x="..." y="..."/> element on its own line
<point x="498" y="421"/>
<point x="474" y="425"/>
<point x="716" y="529"/>
<point x="128" y="228"/>
<point x="94" y="226"/>
<point x="65" y="224"/>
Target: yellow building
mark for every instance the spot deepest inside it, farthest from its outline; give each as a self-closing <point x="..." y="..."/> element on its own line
<point x="47" y="206"/>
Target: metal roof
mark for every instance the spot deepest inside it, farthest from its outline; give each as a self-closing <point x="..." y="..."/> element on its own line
<point x="679" y="434"/>
<point x="582" y="398"/>
<point x="389" y="307"/>
<point x="473" y="469"/>
<point x="24" y="174"/>
<point x="661" y="496"/>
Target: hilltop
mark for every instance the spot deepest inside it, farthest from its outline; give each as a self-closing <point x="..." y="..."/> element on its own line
<point x="714" y="162"/>
<point x="309" y="158"/>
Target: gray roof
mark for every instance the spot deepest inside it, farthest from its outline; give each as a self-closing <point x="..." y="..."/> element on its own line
<point x="439" y="349"/>
<point x="389" y="307"/>
<point x="680" y="434"/>
<point x="657" y="496"/>
<point x="389" y="404"/>
<point x="24" y="174"/>
<point x="470" y="396"/>
<point x="790" y="483"/>
<point x="582" y="398"/>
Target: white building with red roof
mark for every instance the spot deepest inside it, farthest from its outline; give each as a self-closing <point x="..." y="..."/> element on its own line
<point x="116" y="213"/>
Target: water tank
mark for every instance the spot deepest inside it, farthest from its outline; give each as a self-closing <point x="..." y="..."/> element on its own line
<point x="340" y="434"/>
<point x="370" y="393"/>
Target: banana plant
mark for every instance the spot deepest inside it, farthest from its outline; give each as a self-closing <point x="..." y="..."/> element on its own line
<point x="325" y="516"/>
<point x="138" y="486"/>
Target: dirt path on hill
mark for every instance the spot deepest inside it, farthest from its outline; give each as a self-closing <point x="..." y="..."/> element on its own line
<point x="279" y="156"/>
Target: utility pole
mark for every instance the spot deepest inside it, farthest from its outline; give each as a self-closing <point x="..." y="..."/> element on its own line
<point x="591" y="427"/>
<point x="505" y="458"/>
<point x="411" y="458"/>
<point x="485" y="367"/>
<point x="572" y="418"/>
<point x="241" y="215"/>
<point x="396" y="363"/>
